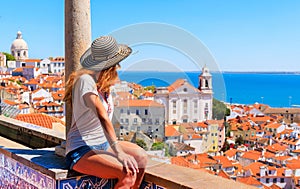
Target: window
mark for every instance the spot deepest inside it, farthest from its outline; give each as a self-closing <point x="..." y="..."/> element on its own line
<point x="19" y="53"/>
<point x="174" y="106"/>
<point x="54" y="65"/>
<point x="185" y="106"/>
<point x="126" y="120"/>
<point x="156" y="129"/>
<point x="146" y="111"/>
<point x="281" y="180"/>
<point x="274" y="180"/>
<point x="143" y="120"/>
<point x="195" y="106"/>
<point x="185" y="90"/>
<point x="267" y="180"/>
<point x="157" y="121"/>
<point x="149" y="121"/>
<point x="137" y="112"/>
<point x="135" y="120"/>
<point x="121" y="120"/>
<point x="128" y="112"/>
<point x="121" y="111"/>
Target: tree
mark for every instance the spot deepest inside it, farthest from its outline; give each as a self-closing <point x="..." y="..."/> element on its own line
<point x="220" y="111"/>
<point x="239" y="140"/>
<point x="8" y="56"/>
<point x="141" y="143"/>
<point x="225" y="147"/>
<point x="150" y="88"/>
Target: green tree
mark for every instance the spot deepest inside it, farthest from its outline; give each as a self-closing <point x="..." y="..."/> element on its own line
<point x="220" y="111"/>
<point x="141" y="143"/>
<point x="225" y="147"/>
<point x="239" y="140"/>
<point x="158" y="146"/>
<point x="8" y="56"/>
<point x="150" y="88"/>
<point x="161" y="146"/>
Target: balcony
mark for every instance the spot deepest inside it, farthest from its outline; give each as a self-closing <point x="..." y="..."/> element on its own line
<point x="22" y="165"/>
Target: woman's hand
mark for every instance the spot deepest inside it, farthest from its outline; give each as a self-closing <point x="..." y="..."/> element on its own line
<point x="128" y="162"/>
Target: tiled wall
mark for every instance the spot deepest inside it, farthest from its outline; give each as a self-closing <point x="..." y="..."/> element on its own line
<point x="15" y="175"/>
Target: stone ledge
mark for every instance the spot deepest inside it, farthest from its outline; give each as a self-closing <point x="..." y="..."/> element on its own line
<point x="164" y="175"/>
<point x="28" y="134"/>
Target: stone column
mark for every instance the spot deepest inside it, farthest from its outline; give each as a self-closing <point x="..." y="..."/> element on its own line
<point x="77" y="40"/>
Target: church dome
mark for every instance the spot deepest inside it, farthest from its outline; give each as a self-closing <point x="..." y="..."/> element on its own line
<point x="19" y="43"/>
<point x="19" y="48"/>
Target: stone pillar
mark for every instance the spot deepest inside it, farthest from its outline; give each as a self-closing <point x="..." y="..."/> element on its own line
<point x="77" y="41"/>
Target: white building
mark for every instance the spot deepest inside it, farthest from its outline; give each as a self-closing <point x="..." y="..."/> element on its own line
<point x="57" y="65"/>
<point x="185" y="103"/>
<point x="19" y="48"/>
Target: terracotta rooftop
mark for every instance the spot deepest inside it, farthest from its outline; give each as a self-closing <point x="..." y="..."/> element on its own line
<point x="138" y="103"/>
<point x="250" y="181"/>
<point x="170" y="131"/>
<point x="42" y="120"/>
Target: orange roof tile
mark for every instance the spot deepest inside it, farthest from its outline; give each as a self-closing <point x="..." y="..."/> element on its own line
<point x="276" y="148"/>
<point x="39" y="119"/>
<point x="249" y="180"/>
<point x="254" y="168"/>
<point x="224" y="161"/>
<point x="33" y="60"/>
<point x="171" y="131"/>
<point x="9" y="102"/>
<point x="138" y="103"/>
<point x="254" y="155"/>
<point x="230" y="152"/>
<point x="223" y="174"/>
<point x="293" y="164"/>
<point x="18" y="70"/>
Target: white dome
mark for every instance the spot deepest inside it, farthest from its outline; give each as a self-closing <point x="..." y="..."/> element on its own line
<point x="19" y="43"/>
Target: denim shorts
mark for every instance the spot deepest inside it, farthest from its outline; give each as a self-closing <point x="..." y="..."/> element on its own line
<point x="74" y="156"/>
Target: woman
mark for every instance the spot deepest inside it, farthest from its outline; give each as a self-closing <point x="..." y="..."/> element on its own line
<point x="92" y="147"/>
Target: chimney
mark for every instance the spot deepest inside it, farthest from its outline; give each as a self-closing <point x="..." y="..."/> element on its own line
<point x="262" y="171"/>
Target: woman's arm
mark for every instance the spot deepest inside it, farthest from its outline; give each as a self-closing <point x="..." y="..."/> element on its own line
<point x="93" y="102"/>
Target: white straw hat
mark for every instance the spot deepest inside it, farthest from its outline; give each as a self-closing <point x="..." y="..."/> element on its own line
<point x="104" y="53"/>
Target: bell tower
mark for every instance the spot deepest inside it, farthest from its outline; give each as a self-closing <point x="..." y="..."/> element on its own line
<point x="205" y="80"/>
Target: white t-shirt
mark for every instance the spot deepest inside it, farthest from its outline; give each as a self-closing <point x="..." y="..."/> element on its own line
<point x="88" y="129"/>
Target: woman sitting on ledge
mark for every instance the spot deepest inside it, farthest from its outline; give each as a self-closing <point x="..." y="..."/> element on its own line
<point x="92" y="147"/>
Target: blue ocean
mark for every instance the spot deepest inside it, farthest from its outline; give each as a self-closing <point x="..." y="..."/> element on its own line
<point x="274" y="89"/>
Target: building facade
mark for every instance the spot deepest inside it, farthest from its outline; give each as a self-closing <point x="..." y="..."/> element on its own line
<point x="139" y="115"/>
<point x="184" y="103"/>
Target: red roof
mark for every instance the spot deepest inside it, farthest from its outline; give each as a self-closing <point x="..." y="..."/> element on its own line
<point x="42" y="120"/>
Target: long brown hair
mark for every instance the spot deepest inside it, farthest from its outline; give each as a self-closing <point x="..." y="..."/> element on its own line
<point x="104" y="81"/>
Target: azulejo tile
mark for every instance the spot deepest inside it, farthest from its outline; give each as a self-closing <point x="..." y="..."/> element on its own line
<point x="86" y="182"/>
<point x="14" y="174"/>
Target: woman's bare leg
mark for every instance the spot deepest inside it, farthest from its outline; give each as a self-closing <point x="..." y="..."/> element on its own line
<point x="139" y="155"/>
<point x="105" y="165"/>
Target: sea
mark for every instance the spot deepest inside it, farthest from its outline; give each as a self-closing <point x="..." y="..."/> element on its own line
<point x="276" y="89"/>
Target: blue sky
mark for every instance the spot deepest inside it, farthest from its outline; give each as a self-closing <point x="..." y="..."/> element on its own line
<point x="241" y="35"/>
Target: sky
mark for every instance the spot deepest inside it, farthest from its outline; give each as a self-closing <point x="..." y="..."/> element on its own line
<point x="235" y="35"/>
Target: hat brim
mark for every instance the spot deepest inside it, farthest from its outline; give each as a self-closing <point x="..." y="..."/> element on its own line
<point x="89" y="63"/>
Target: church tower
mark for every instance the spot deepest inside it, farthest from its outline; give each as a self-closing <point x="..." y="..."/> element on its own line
<point x="205" y="87"/>
<point x="205" y="80"/>
<point x="19" y="48"/>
